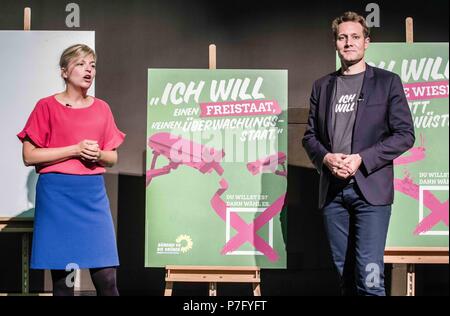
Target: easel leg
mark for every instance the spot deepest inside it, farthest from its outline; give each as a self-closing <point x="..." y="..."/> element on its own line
<point x="168" y="289"/>
<point x="256" y="289"/>
<point x="25" y="263"/>
<point x="411" y="279"/>
<point x="399" y="280"/>
<point x="212" y="289"/>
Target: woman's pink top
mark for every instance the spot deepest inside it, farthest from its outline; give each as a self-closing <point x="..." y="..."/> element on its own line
<point x="52" y="125"/>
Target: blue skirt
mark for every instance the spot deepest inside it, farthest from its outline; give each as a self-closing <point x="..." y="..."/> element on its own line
<point x="72" y="223"/>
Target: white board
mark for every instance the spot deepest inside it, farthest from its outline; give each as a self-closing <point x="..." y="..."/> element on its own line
<point x="30" y="71"/>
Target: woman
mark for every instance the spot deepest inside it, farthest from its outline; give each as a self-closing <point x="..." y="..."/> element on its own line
<point x="70" y="138"/>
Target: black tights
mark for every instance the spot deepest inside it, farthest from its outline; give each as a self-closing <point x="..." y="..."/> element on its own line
<point x="104" y="280"/>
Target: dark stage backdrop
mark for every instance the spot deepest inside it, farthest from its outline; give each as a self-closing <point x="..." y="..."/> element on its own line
<point x="134" y="35"/>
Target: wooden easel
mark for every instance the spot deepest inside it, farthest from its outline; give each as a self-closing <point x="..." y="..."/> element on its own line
<point x="213" y="274"/>
<point x="25" y="227"/>
<point x="21" y="225"/>
<point x="404" y="259"/>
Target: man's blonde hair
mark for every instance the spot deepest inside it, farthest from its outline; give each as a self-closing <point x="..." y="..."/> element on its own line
<point x="350" y="16"/>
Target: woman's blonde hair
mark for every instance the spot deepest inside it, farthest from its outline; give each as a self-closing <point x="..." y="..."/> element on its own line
<point x="75" y="51"/>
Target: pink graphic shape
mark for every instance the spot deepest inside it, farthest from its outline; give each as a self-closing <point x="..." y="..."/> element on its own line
<point x="269" y="164"/>
<point x="439" y="211"/>
<point x="241" y="108"/>
<point x="415" y="154"/>
<point x="220" y="207"/>
<point x="426" y="90"/>
<point x="180" y="151"/>
<point x="248" y="233"/>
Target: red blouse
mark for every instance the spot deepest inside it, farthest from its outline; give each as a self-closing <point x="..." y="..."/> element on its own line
<point x="52" y="124"/>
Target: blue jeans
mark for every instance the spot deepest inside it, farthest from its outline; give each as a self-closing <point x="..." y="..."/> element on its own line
<point x="357" y="234"/>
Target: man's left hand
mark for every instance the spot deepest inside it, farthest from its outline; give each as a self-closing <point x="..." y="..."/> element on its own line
<point x="352" y="164"/>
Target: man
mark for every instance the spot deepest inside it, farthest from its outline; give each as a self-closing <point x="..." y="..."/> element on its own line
<point x="359" y="122"/>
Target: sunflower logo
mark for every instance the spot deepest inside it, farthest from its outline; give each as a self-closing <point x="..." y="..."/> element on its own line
<point x="186" y="243"/>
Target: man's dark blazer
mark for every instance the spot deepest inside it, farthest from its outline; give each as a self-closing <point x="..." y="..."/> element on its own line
<point x="383" y="130"/>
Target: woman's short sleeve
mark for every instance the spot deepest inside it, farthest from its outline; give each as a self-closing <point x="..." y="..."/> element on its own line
<point x="37" y="127"/>
<point x="113" y="136"/>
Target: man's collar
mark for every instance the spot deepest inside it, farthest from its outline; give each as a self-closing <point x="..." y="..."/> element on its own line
<point x="368" y="71"/>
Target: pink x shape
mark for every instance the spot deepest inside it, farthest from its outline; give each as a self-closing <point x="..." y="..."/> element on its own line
<point x="247" y="232"/>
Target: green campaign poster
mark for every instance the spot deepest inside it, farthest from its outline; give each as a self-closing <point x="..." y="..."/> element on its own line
<point x="420" y="211"/>
<point x="216" y="168"/>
